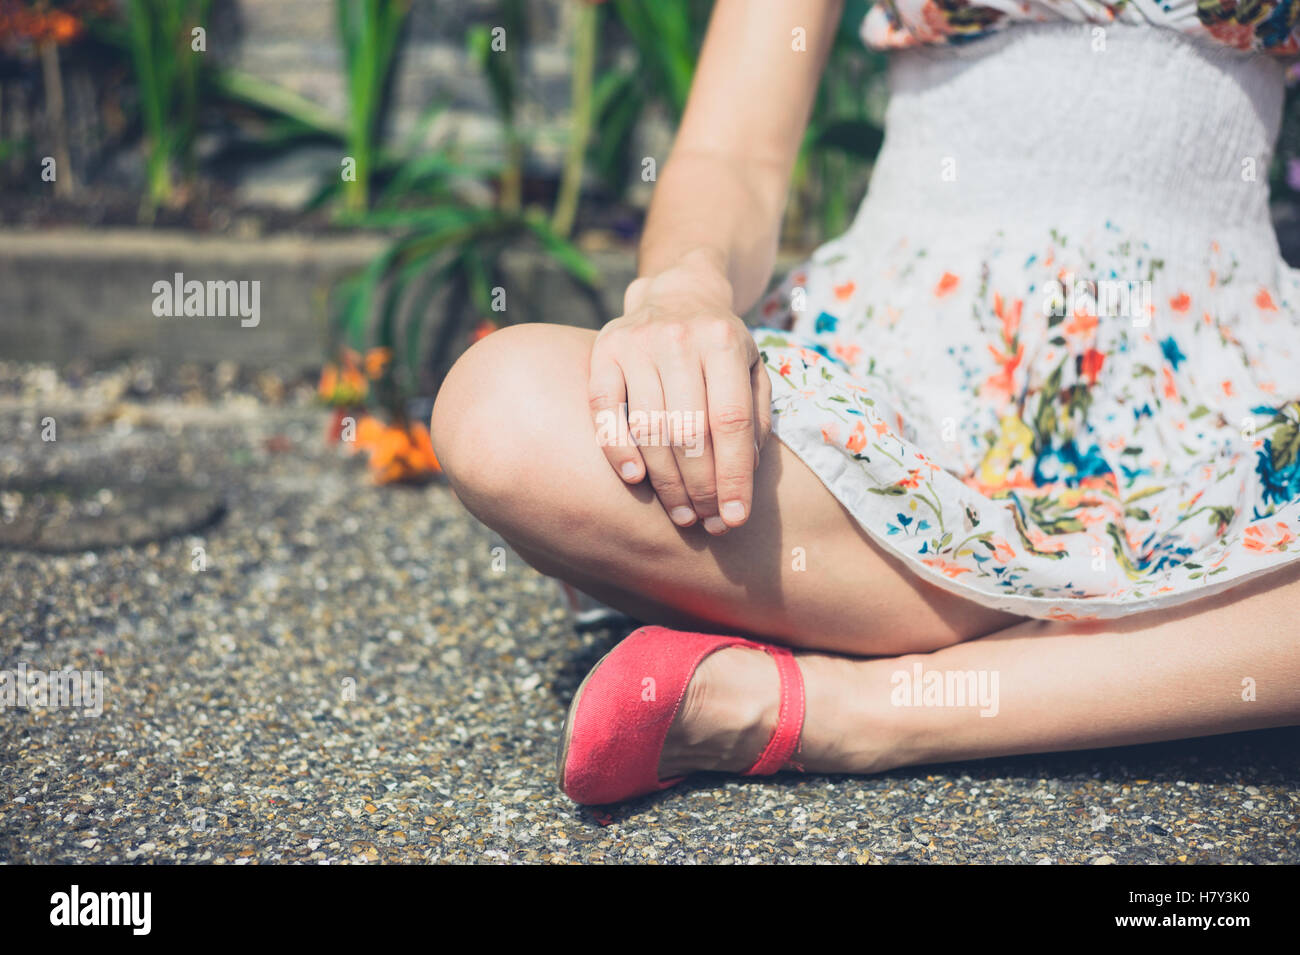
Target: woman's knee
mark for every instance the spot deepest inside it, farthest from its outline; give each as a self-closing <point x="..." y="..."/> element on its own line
<point x="503" y="409"/>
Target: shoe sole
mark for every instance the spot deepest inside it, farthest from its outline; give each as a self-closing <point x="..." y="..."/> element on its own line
<point x="566" y="732"/>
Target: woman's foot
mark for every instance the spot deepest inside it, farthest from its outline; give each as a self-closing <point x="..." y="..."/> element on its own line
<point x="731" y="708"/>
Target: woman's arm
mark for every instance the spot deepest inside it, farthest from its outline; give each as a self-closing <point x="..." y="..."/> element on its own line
<point x="678" y="370"/>
<point x="724" y="186"/>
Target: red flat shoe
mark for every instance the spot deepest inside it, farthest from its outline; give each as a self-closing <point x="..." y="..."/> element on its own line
<point x="614" y="734"/>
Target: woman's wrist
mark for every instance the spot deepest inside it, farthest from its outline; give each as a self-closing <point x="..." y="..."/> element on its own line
<point x="700" y="271"/>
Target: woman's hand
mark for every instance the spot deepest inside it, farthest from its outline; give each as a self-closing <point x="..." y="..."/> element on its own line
<point x="678" y="393"/>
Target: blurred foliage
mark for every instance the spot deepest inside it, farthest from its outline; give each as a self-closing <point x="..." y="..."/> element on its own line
<point x="368" y="31"/>
<point x="162" y="43"/>
<point x="442" y="274"/>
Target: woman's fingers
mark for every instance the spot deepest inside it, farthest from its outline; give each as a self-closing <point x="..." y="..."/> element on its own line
<point x="607" y="396"/>
<point x="686" y="428"/>
<point x="731" y="431"/>
<point x="645" y="414"/>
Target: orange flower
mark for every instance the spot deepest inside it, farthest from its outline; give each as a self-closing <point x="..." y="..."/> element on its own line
<point x="785" y="369"/>
<point x="39" y="24"/>
<point x="831" y="433"/>
<point x="376" y="361"/>
<point x="845" y="291"/>
<point x="1181" y="302"/>
<point x="1264" y="301"/>
<point x="1272" y="541"/>
<point x="948" y="569"/>
<point x="1010" y="317"/>
<point x="1171" y="390"/>
<point x="1091" y="364"/>
<point x="848" y="353"/>
<point x="947" y="283"/>
<point x="482" y="330"/>
<point x="329" y="382"/>
<point x="1003" y="382"/>
<point x="1056" y="613"/>
<point x="368" y="434"/>
<point x="1084" y="324"/>
<point x="344" y="385"/>
<point x="397" y="453"/>
<point x="858" y="439"/>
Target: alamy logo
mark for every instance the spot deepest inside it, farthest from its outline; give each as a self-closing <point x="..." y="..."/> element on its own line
<point x="103" y="908"/>
<point x="194" y="299"/>
<point x="960" y="688"/>
<point x="22" y="688"/>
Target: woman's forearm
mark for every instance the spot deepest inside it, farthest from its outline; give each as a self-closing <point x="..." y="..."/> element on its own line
<point x="726" y="209"/>
<point x="721" y="194"/>
<point x="722" y="207"/>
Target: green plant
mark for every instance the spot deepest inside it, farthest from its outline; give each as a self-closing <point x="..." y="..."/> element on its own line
<point x="369" y="34"/>
<point x="168" y="67"/>
<point x="665" y="38"/>
<point x="581" y="108"/>
<point x="369" y="31"/>
<point x="445" y="261"/>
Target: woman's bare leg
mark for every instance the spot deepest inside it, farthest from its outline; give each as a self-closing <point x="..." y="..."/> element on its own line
<point x="1222" y="665"/>
<point x="513" y="431"/>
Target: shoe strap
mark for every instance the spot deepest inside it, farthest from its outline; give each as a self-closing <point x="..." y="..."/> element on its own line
<point x="789" y="721"/>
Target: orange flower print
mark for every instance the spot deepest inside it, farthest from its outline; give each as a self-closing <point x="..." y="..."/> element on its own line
<point x="948" y="568"/>
<point x="1010" y="317"/>
<point x="1272" y="540"/>
<point x="1003" y="382"/>
<point x="1264" y="301"/>
<point x="858" y="439"/>
<point x="845" y="292"/>
<point x="913" y="478"/>
<point x="1056" y="613"/>
<point x="1181" y="302"/>
<point x="785" y="368"/>
<point x="1170" y="389"/>
<point x="1082" y="325"/>
<point x="848" y="353"/>
<point x="1090" y="364"/>
<point x="831" y="433"/>
<point x="947" y="283"/>
<point x="1001" y="549"/>
<point x="1044" y="542"/>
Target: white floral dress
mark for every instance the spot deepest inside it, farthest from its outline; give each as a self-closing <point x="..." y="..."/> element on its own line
<point x="1054" y="365"/>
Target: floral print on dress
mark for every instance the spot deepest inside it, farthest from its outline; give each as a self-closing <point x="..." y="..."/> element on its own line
<point x="1001" y="420"/>
<point x="1268" y="26"/>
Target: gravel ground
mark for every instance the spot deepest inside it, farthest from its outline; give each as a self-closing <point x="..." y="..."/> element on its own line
<point x="354" y="678"/>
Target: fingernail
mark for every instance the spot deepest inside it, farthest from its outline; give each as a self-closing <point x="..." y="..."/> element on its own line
<point x="733" y="511"/>
<point x="629" y="471"/>
<point x="682" y="516"/>
<point x="713" y="524"/>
